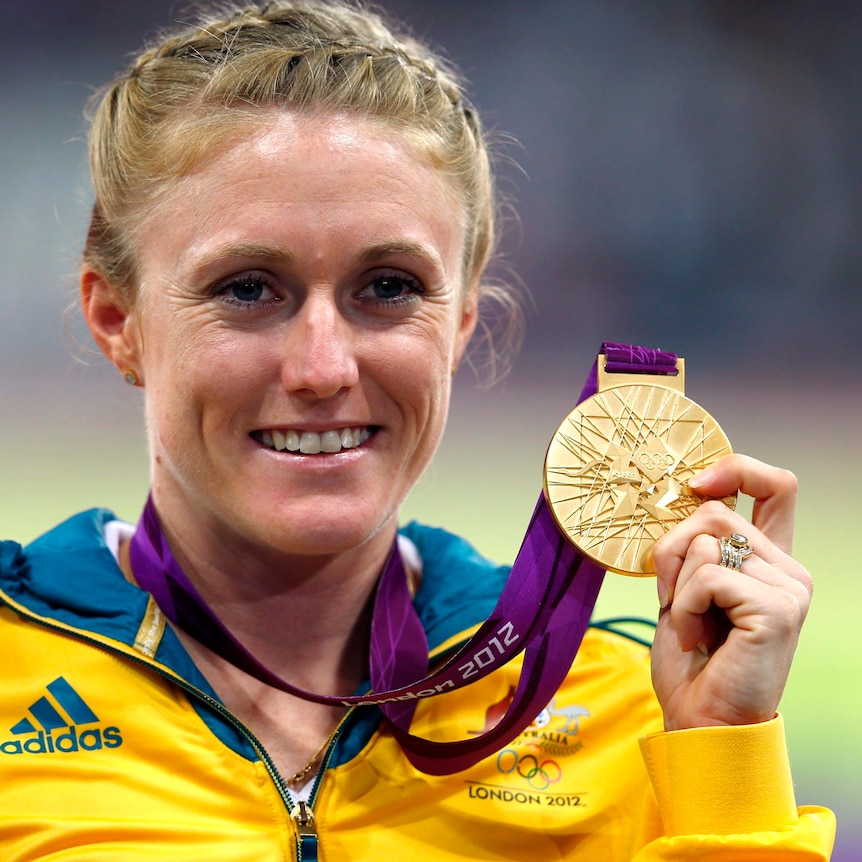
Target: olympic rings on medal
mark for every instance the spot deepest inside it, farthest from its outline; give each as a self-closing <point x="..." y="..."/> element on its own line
<point x="734" y="549"/>
<point x="540" y="776"/>
<point x="655" y="460"/>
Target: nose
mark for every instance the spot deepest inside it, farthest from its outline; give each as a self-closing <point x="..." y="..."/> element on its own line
<point x="319" y="355"/>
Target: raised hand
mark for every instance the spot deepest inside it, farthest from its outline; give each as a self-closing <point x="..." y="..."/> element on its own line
<point x="726" y="638"/>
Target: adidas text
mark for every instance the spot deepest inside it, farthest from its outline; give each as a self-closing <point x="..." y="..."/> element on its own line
<point x="91" y="739"/>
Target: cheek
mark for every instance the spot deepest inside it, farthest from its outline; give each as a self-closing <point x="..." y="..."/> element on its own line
<point x="193" y="387"/>
<point x="424" y="385"/>
<point x="193" y="356"/>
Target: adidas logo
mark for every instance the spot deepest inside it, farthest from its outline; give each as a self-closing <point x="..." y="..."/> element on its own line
<point x="65" y="709"/>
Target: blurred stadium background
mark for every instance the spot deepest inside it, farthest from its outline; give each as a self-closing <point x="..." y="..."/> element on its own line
<point x="688" y="176"/>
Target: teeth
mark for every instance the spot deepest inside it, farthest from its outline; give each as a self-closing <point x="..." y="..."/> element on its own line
<point x="330" y="441"/>
<point x="312" y="443"/>
<point x="309" y="443"/>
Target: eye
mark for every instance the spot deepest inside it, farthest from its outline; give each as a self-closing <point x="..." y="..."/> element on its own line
<point x="251" y="290"/>
<point x="391" y="290"/>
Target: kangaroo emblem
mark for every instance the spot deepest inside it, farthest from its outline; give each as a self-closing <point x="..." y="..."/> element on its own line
<point x="571" y="716"/>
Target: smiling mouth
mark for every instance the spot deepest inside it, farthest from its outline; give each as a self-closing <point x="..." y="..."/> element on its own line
<point x="312" y="442"/>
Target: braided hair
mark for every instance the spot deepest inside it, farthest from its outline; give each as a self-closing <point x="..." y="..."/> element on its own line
<point x="193" y="89"/>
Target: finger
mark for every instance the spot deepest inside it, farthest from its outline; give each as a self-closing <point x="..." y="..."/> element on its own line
<point x="713" y="519"/>
<point x="773" y="489"/>
<point x="710" y="521"/>
<point x="760" y="599"/>
<point x="787" y="574"/>
<point x="685" y="550"/>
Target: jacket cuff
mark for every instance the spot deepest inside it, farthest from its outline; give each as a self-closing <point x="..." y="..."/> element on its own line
<point x="722" y="780"/>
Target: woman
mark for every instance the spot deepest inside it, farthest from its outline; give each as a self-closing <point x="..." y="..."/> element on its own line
<point x="293" y="216"/>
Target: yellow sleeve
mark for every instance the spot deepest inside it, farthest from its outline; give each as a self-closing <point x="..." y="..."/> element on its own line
<point x="726" y="793"/>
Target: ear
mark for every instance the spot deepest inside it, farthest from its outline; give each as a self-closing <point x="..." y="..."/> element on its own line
<point x="467" y="324"/>
<point x="112" y="321"/>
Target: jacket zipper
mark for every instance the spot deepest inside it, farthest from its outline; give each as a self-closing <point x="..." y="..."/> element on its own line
<point x="308" y="840"/>
<point x="300" y="813"/>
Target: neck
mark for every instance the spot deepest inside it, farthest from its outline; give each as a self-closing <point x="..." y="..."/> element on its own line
<point x="306" y="617"/>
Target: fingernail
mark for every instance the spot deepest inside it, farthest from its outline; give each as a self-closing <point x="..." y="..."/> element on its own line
<point x="663" y="597"/>
<point x="702" y="478"/>
<point x="701" y="648"/>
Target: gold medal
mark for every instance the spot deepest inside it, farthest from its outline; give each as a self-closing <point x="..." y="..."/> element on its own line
<point x="617" y="468"/>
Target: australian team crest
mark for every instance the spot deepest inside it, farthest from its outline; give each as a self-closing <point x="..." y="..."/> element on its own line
<point x="530" y="770"/>
<point x="555" y="730"/>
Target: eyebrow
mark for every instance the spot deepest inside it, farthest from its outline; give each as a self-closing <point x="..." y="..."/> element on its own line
<point x="247" y="249"/>
<point x="396" y="249"/>
<point x="375" y="252"/>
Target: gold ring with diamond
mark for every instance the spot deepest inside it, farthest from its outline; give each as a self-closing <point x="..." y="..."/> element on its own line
<point x="734" y="549"/>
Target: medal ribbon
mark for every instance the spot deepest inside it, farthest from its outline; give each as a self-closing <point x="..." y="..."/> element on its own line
<point x="543" y="611"/>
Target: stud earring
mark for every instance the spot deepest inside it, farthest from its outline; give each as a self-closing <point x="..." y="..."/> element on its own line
<point x="131" y="378"/>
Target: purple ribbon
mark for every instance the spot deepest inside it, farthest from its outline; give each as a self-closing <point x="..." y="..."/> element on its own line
<point x="543" y="611"/>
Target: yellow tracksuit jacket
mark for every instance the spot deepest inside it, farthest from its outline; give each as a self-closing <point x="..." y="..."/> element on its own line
<point x="113" y="747"/>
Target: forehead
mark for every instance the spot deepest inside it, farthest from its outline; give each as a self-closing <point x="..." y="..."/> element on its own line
<point x="335" y="171"/>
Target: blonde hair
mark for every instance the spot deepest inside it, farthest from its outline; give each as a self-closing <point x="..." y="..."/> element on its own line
<point x="185" y="93"/>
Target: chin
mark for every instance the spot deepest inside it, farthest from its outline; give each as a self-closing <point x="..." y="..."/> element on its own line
<point x="315" y="535"/>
